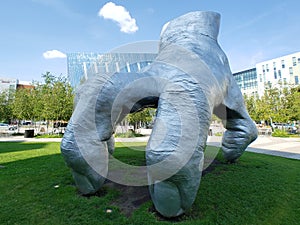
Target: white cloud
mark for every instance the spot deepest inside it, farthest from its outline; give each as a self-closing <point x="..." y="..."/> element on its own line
<point x="120" y="15"/>
<point x="53" y="54"/>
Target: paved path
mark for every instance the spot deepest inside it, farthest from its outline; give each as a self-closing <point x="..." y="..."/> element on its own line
<point x="284" y="147"/>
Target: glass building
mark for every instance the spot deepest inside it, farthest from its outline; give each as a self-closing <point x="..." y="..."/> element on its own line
<point x="80" y="65"/>
<point x="247" y="81"/>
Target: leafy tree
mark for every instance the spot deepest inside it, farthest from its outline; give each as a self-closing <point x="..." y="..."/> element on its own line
<point x="51" y="100"/>
<point x="251" y="105"/>
<point x="23" y="104"/>
<point x="5" y="105"/>
<point x="141" y="118"/>
<point x="276" y="105"/>
<point x="57" y="98"/>
<point x="293" y="104"/>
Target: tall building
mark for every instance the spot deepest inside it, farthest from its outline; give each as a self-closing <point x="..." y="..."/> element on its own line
<point x="80" y="65"/>
<point x="278" y="72"/>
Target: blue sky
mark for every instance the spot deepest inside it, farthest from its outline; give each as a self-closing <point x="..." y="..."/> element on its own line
<point x="251" y="31"/>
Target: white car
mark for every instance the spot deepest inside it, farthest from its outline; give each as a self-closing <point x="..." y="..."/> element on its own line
<point x="4" y="126"/>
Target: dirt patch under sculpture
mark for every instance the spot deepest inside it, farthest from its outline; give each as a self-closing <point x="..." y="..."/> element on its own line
<point x="131" y="198"/>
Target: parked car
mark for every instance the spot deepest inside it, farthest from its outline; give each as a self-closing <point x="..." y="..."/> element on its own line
<point x="8" y="127"/>
<point x="60" y="124"/>
<point x="281" y="126"/>
<point x="26" y="123"/>
<point x="12" y="127"/>
<point x="4" y="125"/>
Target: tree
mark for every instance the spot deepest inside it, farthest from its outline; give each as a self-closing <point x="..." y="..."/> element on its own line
<point x="251" y="105"/>
<point x="5" y="105"/>
<point x="51" y="100"/>
<point x="293" y="104"/>
<point x="23" y="104"/>
<point x="141" y="118"/>
<point x="57" y="98"/>
<point x="276" y="105"/>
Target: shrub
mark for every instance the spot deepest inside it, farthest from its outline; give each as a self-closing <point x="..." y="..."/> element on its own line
<point x="280" y="133"/>
<point x="128" y="134"/>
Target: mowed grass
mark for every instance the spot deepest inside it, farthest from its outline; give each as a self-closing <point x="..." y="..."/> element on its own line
<point x="37" y="188"/>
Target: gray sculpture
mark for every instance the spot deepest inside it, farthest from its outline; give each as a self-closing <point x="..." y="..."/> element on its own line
<point x="188" y="82"/>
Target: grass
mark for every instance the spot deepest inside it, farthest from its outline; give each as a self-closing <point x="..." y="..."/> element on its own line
<point x="49" y="136"/>
<point x="37" y="188"/>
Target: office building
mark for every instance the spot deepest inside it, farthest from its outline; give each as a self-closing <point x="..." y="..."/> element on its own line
<point x="83" y="65"/>
<point x="278" y="72"/>
<point x="247" y="81"/>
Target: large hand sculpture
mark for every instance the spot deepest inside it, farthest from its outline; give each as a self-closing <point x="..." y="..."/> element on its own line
<point x="188" y="82"/>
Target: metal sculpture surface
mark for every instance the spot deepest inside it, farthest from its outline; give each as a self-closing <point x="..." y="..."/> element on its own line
<point x="188" y="82"/>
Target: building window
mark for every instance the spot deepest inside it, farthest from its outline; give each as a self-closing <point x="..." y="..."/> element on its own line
<point x="275" y="74"/>
<point x="298" y="60"/>
<point x="294" y="61"/>
<point x="274" y="66"/>
<point x="279" y="74"/>
<point x="260" y="78"/>
<point x="296" y="80"/>
<point x="267" y="67"/>
<point x="134" y="67"/>
<point x="282" y="64"/>
<point x="263" y="68"/>
<point x="291" y="70"/>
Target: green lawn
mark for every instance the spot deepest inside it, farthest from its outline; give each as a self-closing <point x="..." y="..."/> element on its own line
<point x="259" y="189"/>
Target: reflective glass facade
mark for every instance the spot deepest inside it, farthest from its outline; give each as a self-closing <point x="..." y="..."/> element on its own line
<point x="247" y="81"/>
<point x="80" y="65"/>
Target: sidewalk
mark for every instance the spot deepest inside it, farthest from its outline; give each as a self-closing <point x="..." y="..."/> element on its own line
<point x="283" y="147"/>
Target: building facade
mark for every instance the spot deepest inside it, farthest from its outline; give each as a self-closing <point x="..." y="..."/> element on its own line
<point x="247" y="81"/>
<point x="8" y="84"/>
<point x="83" y="65"/>
<point x="278" y="72"/>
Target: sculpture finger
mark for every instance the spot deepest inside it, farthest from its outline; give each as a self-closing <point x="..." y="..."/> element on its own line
<point x="239" y="134"/>
<point x="175" y="151"/>
<point x="241" y="130"/>
<point x="87" y="179"/>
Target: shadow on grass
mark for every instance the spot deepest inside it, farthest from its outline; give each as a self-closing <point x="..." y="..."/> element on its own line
<point x="6" y="147"/>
